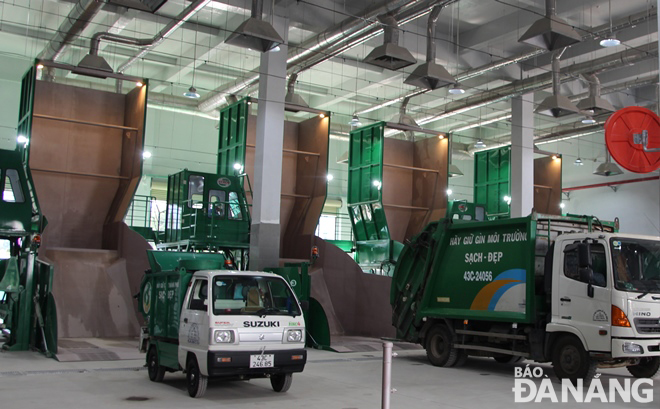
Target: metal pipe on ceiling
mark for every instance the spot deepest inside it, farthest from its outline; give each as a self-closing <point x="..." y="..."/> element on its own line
<point x="311" y="52"/>
<point x="599" y="31"/>
<point x="430" y="33"/>
<point x="171" y="27"/>
<point x="75" y="22"/>
<point x="540" y="82"/>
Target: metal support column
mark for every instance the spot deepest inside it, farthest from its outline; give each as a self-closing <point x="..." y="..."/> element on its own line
<point x="522" y="155"/>
<point x="265" y="231"/>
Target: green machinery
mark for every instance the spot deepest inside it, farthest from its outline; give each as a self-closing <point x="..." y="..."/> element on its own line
<point x="373" y="244"/>
<point x="207" y="212"/>
<point x="27" y="307"/>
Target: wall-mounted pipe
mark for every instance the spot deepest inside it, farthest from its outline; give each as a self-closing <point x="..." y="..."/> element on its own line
<point x="608" y="184"/>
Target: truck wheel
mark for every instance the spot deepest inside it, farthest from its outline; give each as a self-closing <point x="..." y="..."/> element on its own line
<point x="462" y="359"/>
<point x="281" y="382"/>
<point x="509" y="359"/>
<point x="646" y="368"/>
<point x="196" y="381"/>
<point x="571" y="361"/>
<point x="439" y="347"/>
<point x="156" y="372"/>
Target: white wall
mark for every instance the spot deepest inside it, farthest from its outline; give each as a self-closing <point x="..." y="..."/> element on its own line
<point x="635" y="204"/>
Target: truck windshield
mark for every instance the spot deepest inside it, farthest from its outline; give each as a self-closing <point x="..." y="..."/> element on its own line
<point x="636" y="265"/>
<point x="253" y="295"/>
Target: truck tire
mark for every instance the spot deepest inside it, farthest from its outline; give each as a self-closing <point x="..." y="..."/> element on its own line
<point x="571" y="361"/>
<point x="156" y="372"/>
<point x="646" y="368"/>
<point x="196" y="381"/>
<point x="281" y="382"/>
<point x="440" y="347"/>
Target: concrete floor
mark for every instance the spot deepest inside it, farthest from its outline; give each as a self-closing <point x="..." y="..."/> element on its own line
<point x="330" y="380"/>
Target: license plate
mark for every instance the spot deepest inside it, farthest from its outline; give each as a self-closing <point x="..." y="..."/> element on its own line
<point x="262" y="361"/>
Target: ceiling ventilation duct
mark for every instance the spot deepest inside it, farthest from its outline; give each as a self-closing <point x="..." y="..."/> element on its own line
<point x="291" y="98"/>
<point x="254" y="33"/>
<point x="150" y="6"/>
<point x="402" y="118"/>
<point x="608" y="168"/>
<point x="430" y="75"/>
<point x="594" y="104"/>
<point x="390" y="55"/>
<point x="556" y="105"/>
<point x="550" y="32"/>
<point x="452" y="170"/>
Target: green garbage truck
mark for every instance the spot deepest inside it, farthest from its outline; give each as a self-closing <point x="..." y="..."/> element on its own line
<point x="211" y="322"/>
<point x="569" y="290"/>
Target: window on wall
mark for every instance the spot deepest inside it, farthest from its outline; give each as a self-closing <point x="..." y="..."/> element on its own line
<point x="12" y="191"/>
<point x="327" y="228"/>
<point x="196" y="191"/>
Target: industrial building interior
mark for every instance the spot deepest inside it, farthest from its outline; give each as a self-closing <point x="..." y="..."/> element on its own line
<point x="456" y="78"/>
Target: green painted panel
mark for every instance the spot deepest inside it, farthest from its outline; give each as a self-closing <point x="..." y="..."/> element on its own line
<point x="492" y="180"/>
<point x="232" y="137"/>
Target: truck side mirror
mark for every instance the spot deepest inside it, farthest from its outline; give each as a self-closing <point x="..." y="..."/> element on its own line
<point x="584" y="256"/>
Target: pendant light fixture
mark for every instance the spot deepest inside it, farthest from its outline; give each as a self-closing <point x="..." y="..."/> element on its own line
<point x="611" y="40"/>
<point x="192" y="91"/>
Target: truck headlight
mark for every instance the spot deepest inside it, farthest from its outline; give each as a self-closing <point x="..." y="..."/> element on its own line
<point x="631" y="348"/>
<point x="223" y="336"/>
<point x="294" y="335"/>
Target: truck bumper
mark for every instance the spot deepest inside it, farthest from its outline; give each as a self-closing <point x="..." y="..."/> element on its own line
<point x="239" y="363"/>
<point x="621" y="347"/>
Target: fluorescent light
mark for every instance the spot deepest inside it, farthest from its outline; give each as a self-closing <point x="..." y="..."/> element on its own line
<point x="609" y="42"/>
<point x="588" y="121"/>
<point x="456" y="90"/>
<point x="146" y="155"/>
<point x="191" y="93"/>
<point x="275" y="49"/>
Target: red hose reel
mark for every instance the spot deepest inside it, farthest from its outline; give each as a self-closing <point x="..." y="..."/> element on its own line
<point x="632" y="136"/>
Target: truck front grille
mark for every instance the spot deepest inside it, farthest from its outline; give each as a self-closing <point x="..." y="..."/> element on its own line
<point x="647" y="325"/>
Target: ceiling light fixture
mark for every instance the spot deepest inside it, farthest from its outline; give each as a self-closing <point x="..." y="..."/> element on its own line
<point x="480" y="144"/>
<point x="191" y="93"/>
<point x="355" y="121"/>
<point x="588" y="120"/>
<point x="610" y="41"/>
<point x="456" y="89"/>
<point x="578" y="162"/>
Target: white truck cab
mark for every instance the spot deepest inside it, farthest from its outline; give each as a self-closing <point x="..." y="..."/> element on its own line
<point x="240" y="324"/>
<point x="606" y="291"/>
